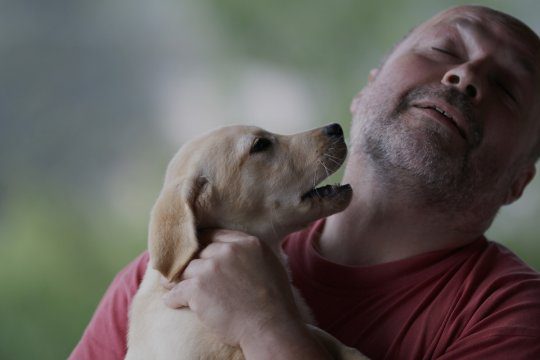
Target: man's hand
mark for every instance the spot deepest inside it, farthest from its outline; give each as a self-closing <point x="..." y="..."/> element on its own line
<point x="240" y="290"/>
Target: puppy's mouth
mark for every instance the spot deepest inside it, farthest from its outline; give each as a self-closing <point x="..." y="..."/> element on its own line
<point x="327" y="191"/>
<point x="328" y="198"/>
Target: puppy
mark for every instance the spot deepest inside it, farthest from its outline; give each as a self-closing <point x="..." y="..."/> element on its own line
<point x="239" y="178"/>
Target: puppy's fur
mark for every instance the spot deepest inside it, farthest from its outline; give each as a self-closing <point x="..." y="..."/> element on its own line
<point x="240" y="178"/>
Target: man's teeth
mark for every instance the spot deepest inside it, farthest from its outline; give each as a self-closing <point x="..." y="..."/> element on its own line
<point x="443" y="112"/>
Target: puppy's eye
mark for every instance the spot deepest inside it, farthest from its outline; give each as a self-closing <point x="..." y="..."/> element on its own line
<point x="260" y="144"/>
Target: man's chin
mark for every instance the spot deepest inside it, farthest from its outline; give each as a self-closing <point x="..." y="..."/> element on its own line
<point x="419" y="147"/>
<point x="423" y="158"/>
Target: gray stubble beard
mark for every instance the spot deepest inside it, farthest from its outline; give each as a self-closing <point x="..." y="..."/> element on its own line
<point x="420" y="163"/>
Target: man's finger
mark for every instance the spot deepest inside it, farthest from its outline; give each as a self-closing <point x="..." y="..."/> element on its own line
<point x="177" y="297"/>
<point x="166" y="283"/>
<point x="213" y="249"/>
<point x="195" y="267"/>
<point x="220" y="235"/>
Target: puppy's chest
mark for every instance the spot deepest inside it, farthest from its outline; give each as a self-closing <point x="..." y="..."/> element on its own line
<point x="158" y="332"/>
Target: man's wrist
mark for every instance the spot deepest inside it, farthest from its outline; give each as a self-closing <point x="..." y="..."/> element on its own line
<point x="289" y="339"/>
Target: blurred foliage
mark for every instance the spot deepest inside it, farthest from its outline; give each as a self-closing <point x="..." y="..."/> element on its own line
<point x="83" y="151"/>
<point x="56" y="263"/>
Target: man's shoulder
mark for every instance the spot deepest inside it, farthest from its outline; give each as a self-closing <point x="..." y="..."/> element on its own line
<point x="505" y="291"/>
<point x="130" y="277"/>
<point x="498" y="269"/>
<point x="105" y="335"/>
<point x="496" y="309"/>
<point x="139" y="264"/>
<point x="500" y="261"/>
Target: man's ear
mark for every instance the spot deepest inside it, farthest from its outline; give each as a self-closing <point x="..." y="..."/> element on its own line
<point x="372" y="75"/>
<point x="523" y="178"/>
<point x="172" y="235"/>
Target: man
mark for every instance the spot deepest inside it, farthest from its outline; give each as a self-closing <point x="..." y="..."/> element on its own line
<point x="445" y="133"/>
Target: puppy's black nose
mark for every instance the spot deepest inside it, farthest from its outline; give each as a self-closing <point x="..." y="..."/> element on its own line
<point x="333" y="130"/>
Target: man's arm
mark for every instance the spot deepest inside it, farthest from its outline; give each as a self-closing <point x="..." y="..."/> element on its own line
<point x="240" y="290"/>
<point x="105" y="335"/>
<point x="267" y="326"/>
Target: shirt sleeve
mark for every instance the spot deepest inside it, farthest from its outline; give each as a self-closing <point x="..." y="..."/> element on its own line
<point x="506" y="325"/>
<point x="105" y="336"/>
<point x="495" y="347"/>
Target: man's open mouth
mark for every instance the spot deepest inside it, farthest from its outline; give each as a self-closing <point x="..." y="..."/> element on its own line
<point x="327" y="191"/>
<point x="446" y="117"/>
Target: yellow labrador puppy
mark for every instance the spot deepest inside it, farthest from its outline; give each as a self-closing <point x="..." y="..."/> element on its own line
<point x="239" y="178"/>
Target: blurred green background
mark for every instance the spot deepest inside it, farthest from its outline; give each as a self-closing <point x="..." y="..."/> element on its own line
<point x="96" y="96"/>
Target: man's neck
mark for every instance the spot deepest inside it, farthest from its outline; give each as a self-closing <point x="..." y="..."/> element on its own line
<point x="385" y="223"/>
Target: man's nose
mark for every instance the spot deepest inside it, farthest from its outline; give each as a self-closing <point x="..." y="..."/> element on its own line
<point x="465" y="79"/>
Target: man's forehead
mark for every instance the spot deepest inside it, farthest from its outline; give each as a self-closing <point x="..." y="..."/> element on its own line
<point x="489" y="20"/>
<point x="495" y="25"/>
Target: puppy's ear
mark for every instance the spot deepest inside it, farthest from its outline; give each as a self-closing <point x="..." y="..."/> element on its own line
<point x="172" y="237"/>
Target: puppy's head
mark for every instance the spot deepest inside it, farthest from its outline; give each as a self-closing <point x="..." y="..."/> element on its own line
<point x="244" y="178"/>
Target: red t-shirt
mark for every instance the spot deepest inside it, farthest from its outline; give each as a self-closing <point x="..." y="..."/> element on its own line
<point x="475" y="302"/>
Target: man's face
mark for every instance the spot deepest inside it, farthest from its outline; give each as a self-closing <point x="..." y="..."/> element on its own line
<point x="454" y="109"/>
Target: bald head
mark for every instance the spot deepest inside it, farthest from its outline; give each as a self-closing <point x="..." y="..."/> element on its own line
<point x="481" y="12"/>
